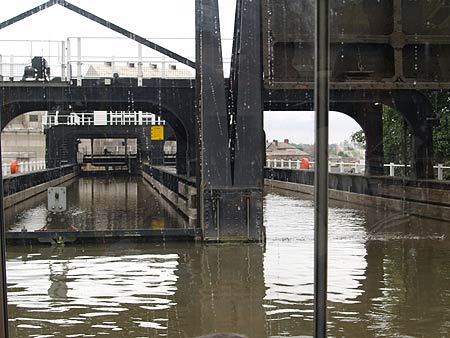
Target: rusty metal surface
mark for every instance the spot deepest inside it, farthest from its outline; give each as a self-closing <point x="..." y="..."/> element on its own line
<point x="383" y="44"/>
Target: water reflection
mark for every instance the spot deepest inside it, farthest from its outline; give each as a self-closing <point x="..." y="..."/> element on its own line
<point x="100" y="203"/>
<point x="389" y="277"/>
<point x="289" y="261"/>
<point x="151" y="290"/>
<point x="388" y="274"/>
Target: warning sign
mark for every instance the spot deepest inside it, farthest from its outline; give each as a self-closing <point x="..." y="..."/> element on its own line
<point x="157" y="133"/>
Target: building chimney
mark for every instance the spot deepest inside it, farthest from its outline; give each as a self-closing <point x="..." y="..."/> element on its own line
<point x="286" y="140"/>
<point x="276" y="142"/>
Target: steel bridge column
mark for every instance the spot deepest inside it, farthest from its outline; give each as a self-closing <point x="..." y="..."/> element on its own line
<point x="144" y="144"/>
<point x="51" y="148"/>
<point x="370" y="117"/>
<point x="214" y="176"/>
<point x="157" y="152"/>
<point x="72" y="149"/>
<point x="3" y="285"/>
<point x="422" y="156"/>
<point x="373" y="129"/>
<point x="192" y="159"/>
<point x="181" y="154"/>
<point x="230" y="180"/>
<point x="177" y="127"/>
<point x="60" y="146"/>
<point x="249" y="144"/>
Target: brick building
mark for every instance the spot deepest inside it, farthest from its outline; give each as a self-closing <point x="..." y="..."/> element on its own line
<point x="284" y="151"/>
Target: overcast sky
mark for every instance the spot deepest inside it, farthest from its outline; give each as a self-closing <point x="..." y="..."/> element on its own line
<point x="157" y="19"/>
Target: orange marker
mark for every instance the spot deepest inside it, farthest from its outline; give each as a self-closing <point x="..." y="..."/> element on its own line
<point x="14" y="167"/>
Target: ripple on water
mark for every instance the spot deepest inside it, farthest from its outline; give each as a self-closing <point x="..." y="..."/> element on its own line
<point x="384" y="281"/>
<point x="90" y="289"/>
<point x="288" y="261"/>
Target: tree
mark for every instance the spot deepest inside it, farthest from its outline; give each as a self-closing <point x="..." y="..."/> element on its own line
<point x="441" y="133"/>
<point x="394" y="138"/>
<point x="397" y="135"/>
<point x="359" y="138"/>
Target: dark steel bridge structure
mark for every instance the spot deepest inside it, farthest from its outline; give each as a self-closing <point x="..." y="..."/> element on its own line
<point x="388" y="52"/>
<point x="385" y="52"/>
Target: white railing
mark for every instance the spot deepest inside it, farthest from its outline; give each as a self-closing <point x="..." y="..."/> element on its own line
<point x="102" y="118"/>
<point x="392" y="167"/>
<point x="79" y="58"/>
<point x="343" y="167"/>
<point x="24" y="167"/>
<point x="440" y="169"/>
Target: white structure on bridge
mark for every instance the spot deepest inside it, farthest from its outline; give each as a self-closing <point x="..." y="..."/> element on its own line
<point x="102" y="118"/>
<point x="79" y="58"/>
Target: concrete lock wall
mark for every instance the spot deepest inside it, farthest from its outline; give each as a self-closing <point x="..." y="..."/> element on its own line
<point x="20" y="187"/>
<point x="430" y="199"/>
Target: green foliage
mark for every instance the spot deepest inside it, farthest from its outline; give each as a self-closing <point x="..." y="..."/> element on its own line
<point x="359" y="137"/>
<point x="441" y="133"/>
<point x="394" y="131"/>
<point x="394" y="137"/>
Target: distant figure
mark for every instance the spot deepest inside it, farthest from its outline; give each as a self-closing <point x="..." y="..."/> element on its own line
<point x="14" y="167"/>
<point x="224" y="335"/>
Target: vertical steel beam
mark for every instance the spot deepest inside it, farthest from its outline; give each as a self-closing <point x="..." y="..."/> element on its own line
<point x="214" y="176"/>
<point x="247" y="109"/>
<point x="140" y="71"/>
<point x="69" y="55"/>
<point x="79" y="76"/>
<point x="248" y="166"/>
<point x="63" y="61"/>
<point x="212" y="105"/>
<point x="321" y="101"/>
<point x="3" y="285"/>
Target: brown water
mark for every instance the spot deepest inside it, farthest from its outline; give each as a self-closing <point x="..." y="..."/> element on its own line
<point x="389" y="277"/>
<point x="100" y="203"/>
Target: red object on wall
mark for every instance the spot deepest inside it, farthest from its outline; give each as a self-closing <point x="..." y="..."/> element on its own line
<point x="304" y="163"/>
<point x="14" y="167"/>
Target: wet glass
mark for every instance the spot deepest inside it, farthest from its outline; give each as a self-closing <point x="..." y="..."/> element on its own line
<point x="387" y="74"/>
<point x="181" y="216"/>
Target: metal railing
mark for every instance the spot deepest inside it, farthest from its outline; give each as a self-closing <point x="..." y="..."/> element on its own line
<point x="102" y="118"/>
<point x="79" y="58"/>
<point x="342" y="167"/>
<point x="440" y="169"/>
<point x="24" y="167"/>
<point x="353" y="168"/>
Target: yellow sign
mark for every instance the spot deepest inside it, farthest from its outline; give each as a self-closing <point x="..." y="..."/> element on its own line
<point x="157" y="133"/>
